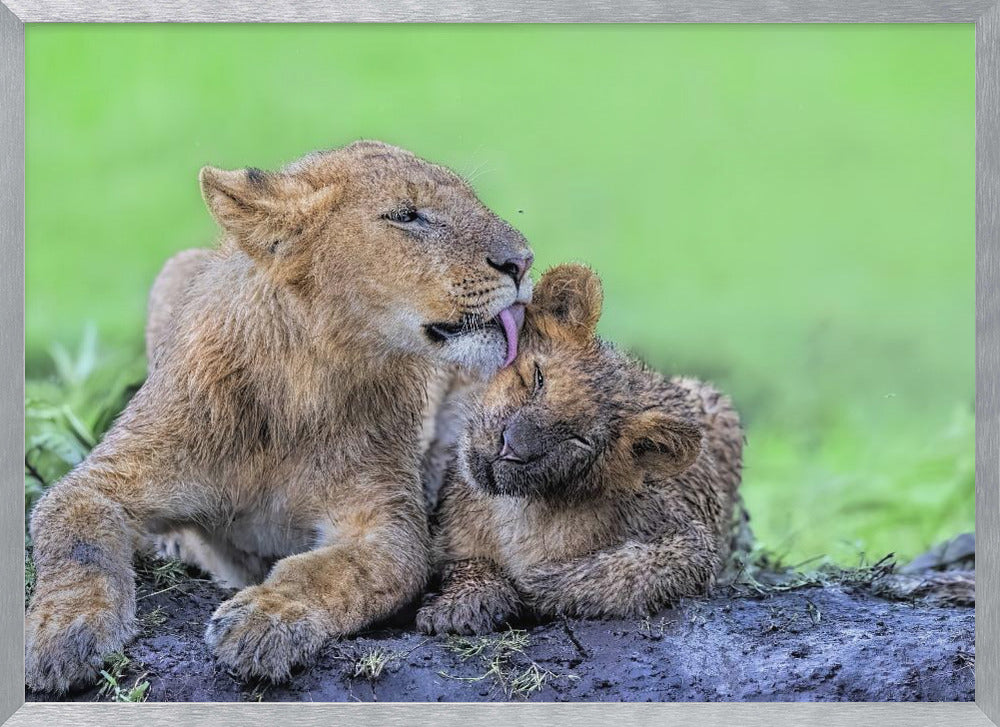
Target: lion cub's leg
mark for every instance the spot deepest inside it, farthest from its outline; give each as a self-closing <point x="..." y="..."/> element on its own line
<point x="476" y="594"/>
<point x="84" y="601"/>
<point x="373" y="559"/>
<point x="633" y="579"/>
<point x="228" y="566"/>
<point x="476" y="597"/>
<point x="85" y="530"/>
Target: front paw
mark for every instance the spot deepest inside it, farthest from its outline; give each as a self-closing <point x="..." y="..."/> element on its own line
<point x="262" y="633"/>
<point x="67" y="634"/>
<point x="471" y="612"/>
<point x="548" y="591"/>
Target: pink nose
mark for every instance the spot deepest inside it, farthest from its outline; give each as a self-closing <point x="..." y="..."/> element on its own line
<point x="515" y="266"/>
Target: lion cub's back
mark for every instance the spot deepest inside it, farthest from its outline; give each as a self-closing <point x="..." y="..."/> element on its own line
<point x="168" y="290"/>
<point x="723" y="430"/>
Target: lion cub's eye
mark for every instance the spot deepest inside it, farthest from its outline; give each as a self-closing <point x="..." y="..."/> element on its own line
<point x="539" y="379"/>
<point x="404" y="216"/>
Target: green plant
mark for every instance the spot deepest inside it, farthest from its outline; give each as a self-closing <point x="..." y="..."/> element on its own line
<point x="162" y="572"/>
<point x="112" y="675"/>
<point x="373" y="662"/>
<point x="29" y="573"/>
<point x="66" y="414"/>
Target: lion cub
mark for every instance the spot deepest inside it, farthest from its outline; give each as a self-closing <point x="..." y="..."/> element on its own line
<point x="295" y="383"/>
<point x="586" y="484"/>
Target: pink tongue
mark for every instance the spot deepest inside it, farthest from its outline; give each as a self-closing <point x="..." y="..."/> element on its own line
<point x="510" y="330"/>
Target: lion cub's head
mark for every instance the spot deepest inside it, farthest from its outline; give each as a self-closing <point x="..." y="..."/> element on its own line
<point x="573" y="417"/>
<point x="380" y="247"/>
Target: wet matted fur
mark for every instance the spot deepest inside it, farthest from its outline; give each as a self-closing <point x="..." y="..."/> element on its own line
<point x="586" y="483"/>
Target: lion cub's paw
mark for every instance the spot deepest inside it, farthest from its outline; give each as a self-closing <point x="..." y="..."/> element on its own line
<point x="262" y="633"/>
<point x="66" y="639"/>
<point x="472" y="611"/>
<point x="168" y="547"/>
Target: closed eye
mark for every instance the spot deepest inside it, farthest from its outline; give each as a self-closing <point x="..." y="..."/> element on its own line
<point x="581" y="442"/>
<point x="539" y="380"/>
<point x="405" y="216"/>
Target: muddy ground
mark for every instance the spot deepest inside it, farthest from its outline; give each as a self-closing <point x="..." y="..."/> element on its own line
<point x="835" y="642"/>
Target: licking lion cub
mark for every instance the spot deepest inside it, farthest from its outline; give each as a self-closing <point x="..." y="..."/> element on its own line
<point x="294" y="373"/>
<point x="585" y="484"/>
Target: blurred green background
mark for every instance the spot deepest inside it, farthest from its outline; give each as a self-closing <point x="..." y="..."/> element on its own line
<point x="787" y="210"/>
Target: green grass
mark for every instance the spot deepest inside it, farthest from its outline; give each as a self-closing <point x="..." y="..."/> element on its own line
<point x="67" y="412"/>
<point x="113" y="688"/>
<point x="787" y="210"/>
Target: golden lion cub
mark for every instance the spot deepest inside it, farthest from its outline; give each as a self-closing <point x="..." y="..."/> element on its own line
<point x="294" y="375"/>
<point x="586" y="484"/>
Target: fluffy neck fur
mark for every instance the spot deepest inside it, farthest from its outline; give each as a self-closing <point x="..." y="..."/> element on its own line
<point x="259" y="365"/>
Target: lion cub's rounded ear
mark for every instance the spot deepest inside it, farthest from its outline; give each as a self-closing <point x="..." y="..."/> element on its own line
<point x="664" y="442"/>
<point x="572" y="295"/>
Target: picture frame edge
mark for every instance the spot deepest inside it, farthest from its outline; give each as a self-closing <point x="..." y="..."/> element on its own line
<point x="988" y="360"/>
<point x="986" y="16"/>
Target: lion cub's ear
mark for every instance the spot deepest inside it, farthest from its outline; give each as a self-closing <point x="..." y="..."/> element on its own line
<point x="664" y="442"/>
<point x="259" y="209"/>
<point x="238" y="200"/>
<point x="571" y="294"/>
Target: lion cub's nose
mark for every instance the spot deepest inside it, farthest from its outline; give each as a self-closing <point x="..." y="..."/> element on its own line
<point x="521" y="440"/>
<point x="515" y="266"/>
<point x="507" y="450"/>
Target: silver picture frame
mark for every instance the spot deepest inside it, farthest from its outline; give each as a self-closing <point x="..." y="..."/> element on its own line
<point x="985" y="14"/>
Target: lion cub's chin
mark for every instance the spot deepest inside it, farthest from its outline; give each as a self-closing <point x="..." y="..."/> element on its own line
<point x="478" y="346"/>
<point x="482" y="352"/>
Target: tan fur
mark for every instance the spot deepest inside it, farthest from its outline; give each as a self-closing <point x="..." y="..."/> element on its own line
<point x="283" y="420"/>
<point x="166" y="295"/>
<point x="618" y="487"/>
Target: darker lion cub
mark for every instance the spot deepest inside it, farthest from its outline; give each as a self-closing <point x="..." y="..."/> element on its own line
<point x="586" y="484"/>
